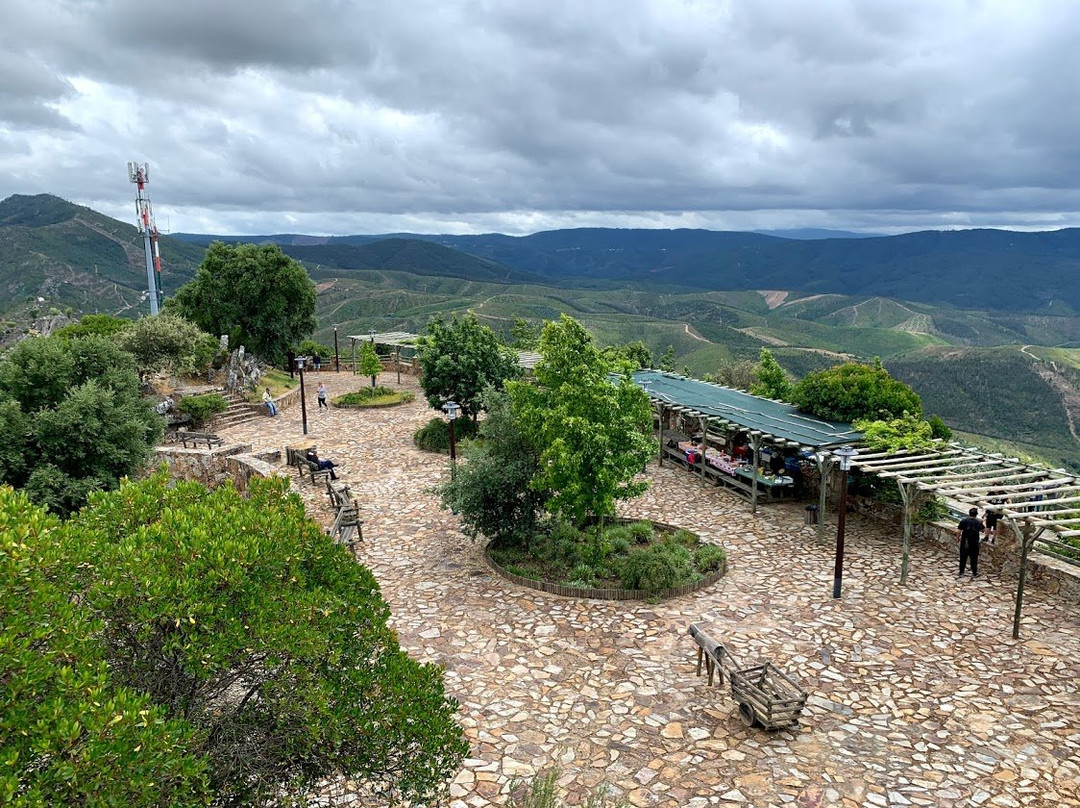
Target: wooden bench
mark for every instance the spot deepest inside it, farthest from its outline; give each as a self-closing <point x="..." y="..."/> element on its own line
<point x="195" y="438"/>
<point x="348" y="527"/>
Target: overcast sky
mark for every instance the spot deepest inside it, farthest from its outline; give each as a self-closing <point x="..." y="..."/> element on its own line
<point x="458" y="116"/>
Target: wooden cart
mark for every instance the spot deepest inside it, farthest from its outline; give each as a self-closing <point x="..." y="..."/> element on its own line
<point x="765" y="694"/>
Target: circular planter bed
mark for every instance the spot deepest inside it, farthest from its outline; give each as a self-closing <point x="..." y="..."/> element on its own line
<point x="373" y="398"/>
<point x="669" y="563"/>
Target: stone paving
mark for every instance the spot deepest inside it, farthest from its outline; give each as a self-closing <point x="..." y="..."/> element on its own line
<point x="919" y="696"/>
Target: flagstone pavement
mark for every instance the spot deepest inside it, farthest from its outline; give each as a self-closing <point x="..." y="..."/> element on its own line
<point x="919" y="695"/>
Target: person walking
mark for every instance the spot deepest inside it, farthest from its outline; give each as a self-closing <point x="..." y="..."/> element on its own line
<point x="320" y="394"/>
<point x="967" y="533"/>
<point x="993" y="514"/>
<point x="268" y="400"/>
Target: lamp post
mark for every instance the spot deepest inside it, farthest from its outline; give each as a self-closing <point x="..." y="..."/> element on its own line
<point x="452" y="409"/>
<point x="303" y="399"/>
<point x="337" y="358"/>
<point x="844" y="455"/>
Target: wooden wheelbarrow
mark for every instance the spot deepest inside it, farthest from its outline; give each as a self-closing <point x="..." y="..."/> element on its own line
<point x="765" y="694"/>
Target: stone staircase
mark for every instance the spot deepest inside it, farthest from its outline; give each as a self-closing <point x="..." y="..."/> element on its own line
<point x="240" y="411"/>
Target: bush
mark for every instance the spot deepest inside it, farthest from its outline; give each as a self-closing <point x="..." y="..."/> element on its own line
<point x="658" y="567"/>
<point x="709" y="558"/>
<point x="853" y="391"/>
<point x="434" y="436"/>
<point x="203" y="408"/>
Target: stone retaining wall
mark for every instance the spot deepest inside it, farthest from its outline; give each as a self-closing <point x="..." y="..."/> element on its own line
<point x="212" y="467"/>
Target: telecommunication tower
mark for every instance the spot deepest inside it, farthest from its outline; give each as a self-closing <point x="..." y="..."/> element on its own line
<point x="139" y="173"/>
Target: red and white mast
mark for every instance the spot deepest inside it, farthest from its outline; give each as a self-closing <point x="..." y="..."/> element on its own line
<point x="139" y="173"/>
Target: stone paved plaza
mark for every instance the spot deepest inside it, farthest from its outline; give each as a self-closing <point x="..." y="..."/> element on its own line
<point x="919" y="696"/>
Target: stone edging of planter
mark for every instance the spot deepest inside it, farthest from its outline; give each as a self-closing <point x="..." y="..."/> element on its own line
<point x="606" y="594"/>
<point x="368" y="406"/>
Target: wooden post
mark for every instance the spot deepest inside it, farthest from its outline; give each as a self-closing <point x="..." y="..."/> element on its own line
<point x="397" y="363"/>
<point x="1027" y="535"/>
<point x="755" y="442"/>
<point x="908" y="491"/>
<point x="660" y="432"/>
<point x="353" y="340"/>
<point x="823" y="462"/>
<point x="704" y="431"/>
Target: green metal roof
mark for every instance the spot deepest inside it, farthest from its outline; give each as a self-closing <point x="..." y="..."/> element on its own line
<point x="773" y="418"/>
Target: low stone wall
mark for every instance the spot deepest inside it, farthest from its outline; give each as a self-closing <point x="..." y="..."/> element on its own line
<point x="1045" y="572"/>
<point x="212" y="467"/>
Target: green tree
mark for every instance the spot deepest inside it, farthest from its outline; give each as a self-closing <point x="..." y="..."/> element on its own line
<point x="492" y="492"/>
<point x="104" y="325"/>
<point x="459" y="359"/>
<point x="938" y="428"/>
<point x="772" y="381"/>
<point x="256" y="294"/>
<point x="525" y="336"/>
<point x="634" y="354"/>
<point x="69" y="734"/>
<point x="73" y="411"/>
<point x="667" y="361"/>
<point x="167" y="343"/>
<point x="591" y="432"/>
<point x="740" y="374"/>
<point x="854" y="391"/>
<point x="239" y="616"/>
<point x="368" y="363"/>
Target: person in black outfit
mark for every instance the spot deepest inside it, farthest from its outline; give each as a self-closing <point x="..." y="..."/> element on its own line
<point x="322" y="464"/>
<point x="967" y="533"/>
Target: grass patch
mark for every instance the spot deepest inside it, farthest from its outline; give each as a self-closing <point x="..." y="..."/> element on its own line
<point x="277" y="380"/>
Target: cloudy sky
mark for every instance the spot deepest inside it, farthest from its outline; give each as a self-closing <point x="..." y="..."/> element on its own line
<point x="457" y="116"/>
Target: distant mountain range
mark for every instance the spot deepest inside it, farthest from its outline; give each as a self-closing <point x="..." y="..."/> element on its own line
<point x="969" y="269"/>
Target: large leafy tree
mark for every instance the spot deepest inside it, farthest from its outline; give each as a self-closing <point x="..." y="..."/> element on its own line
<point x="459" y="359"/>
<point x="591" y="431"/>
<point x="854" y="391"/>
<point x="69" y="733"/>
<point x="254" y="293"/>
<point x="238" y="616"/>
<point x="71" y="419"/>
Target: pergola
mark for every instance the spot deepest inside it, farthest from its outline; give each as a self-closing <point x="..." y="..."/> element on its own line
<point x="1043" y="506"/>
<point x="397" y="339"/>
<point x="764" y="421"/>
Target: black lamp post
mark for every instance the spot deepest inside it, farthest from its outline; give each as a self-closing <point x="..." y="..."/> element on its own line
<point x="452" y="409"/>
<point x="303" y="398"/>
<point x="844" y="455"/>
<point x="337" y="358"/>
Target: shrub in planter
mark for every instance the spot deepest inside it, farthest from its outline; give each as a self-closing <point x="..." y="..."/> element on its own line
<point x="367" y="395"/>
<point x="656" y="568"/>
<point x="434" y="436"/>
<point x="709" y="558"/>
<point x="203" y="408"/>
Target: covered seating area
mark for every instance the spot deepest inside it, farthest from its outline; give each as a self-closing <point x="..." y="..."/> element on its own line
<point x="750" y="444"/>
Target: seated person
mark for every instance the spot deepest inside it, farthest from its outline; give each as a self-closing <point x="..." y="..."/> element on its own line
<point x="322" y="464"/>
<point x="776" y="463"/>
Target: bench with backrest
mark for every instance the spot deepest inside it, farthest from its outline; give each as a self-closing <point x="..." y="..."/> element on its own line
<point x="196" y="438"/>
<point x="348" y="527"/>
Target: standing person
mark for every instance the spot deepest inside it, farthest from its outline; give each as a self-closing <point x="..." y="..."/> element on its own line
<point x="993" y="514"/>
<point x="317" y="361"/>
<point x="967" y="533"/>
<point x="268" y="400"/>
<point x="320" y="394"/>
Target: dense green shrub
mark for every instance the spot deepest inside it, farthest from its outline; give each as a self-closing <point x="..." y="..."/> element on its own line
<point x="202" y="408"/>
<point x="853" y="391"/>
<point x="709" y="558"/>
<point x="434" y="436"/>
<point x="657" y="567"/>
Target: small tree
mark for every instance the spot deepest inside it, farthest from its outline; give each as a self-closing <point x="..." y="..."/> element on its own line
<point x="255" y="293"/>
<point x="103" y="325"/>
<point x="493" y="493"/>
<point x="167" y="343"/>
<point x="591" y="432"/>
<point x="772" y="381"/>
<point x="240" y="617"/>
<point x="369" y="364"/>
<point x="738" y="374"/>
<point x="667" y="361"/>
<point x="459" y="359"/>
<point x="524" y="335"/>
<point x="853" y="391"/>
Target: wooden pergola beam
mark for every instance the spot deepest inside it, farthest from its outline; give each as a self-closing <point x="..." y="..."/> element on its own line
<point x="926" y="468"/>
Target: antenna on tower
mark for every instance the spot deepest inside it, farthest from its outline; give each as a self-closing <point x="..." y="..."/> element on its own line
<point x="139" y="173"/>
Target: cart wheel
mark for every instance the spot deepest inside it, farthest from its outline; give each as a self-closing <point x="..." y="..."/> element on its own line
<point x="746" y="713"/>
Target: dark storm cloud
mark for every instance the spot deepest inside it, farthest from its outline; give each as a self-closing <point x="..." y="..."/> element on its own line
<point x="341" y="116"/>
